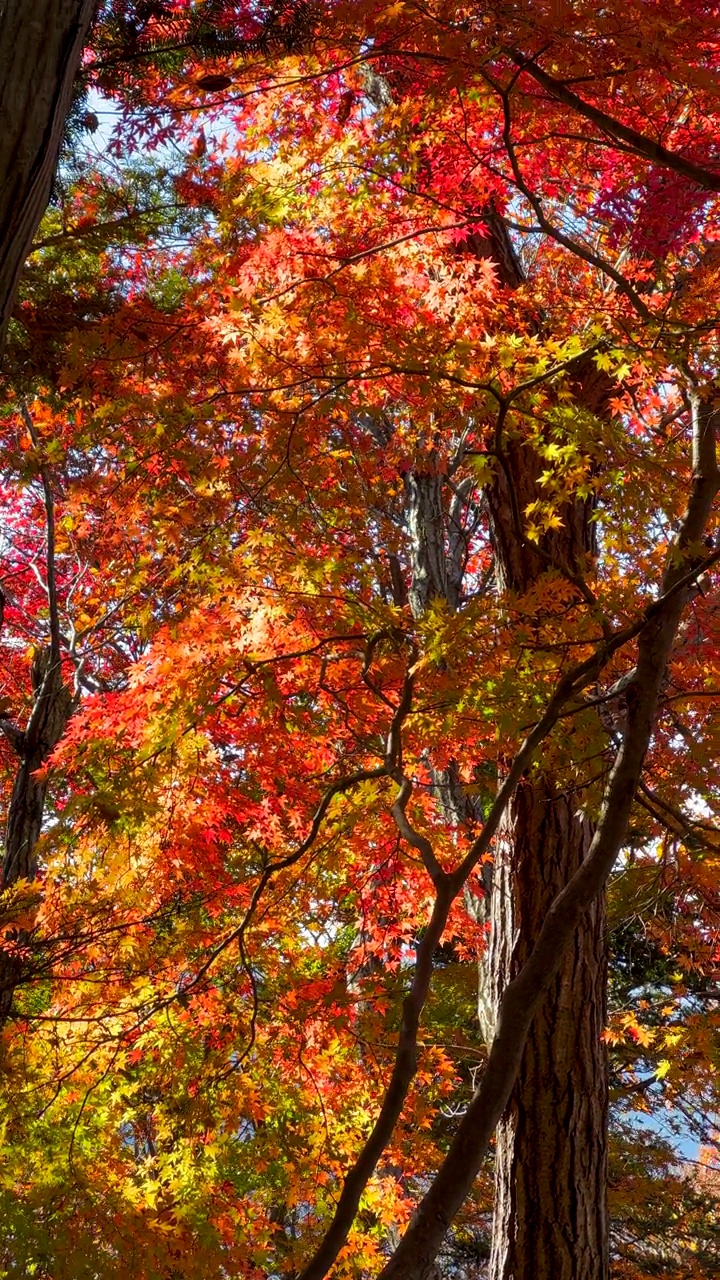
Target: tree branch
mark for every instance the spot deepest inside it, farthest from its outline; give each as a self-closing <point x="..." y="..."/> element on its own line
<point x="447" y="889"/>
<point x="415" y="1255"/>
<point x="638" y="142"/>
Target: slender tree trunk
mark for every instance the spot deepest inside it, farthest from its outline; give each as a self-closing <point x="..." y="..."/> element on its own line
<point x="53" y="704"/>
<point x="51" y="711"/>
<point x="550" y="1219"/>
<point x="41" y="44"/>
<point x="414" y="1257"/>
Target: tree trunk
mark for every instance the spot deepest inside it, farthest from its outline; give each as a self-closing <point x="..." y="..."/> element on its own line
<point x="550" y="1164"/>
<point x="41" y="45"/>
<point x="550" y="1219"/>
<point x="51" y="711"/>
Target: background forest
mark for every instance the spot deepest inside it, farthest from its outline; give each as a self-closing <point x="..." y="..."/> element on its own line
<point x="360" y="644"/>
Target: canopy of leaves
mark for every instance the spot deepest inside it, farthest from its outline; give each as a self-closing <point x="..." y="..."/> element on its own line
<point x="270" y="294"/>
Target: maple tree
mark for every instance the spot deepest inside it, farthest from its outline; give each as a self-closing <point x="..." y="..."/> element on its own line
<point x="361" y="608"/>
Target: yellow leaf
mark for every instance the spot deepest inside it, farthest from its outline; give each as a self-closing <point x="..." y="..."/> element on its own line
<point x="643" y="1036"/>
<point x="553" y="522"/>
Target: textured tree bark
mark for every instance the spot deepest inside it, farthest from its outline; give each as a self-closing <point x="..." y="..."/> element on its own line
<point x="550" y="1162"/>
<point x="41" y="45"/>
<point x="656" y="631"/>
<point x="550" y="1220"/>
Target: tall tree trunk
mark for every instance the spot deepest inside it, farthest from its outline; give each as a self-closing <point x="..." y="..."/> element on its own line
<point x="550" y="1219"/>
<point x="550" y="1162"/>
<point x="41" y="44"/>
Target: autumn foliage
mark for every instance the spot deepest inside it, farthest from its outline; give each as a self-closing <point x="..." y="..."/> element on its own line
<point x="360" y="384"/>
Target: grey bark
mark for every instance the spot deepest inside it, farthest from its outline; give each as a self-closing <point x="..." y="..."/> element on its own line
<point x="41" y="44"/>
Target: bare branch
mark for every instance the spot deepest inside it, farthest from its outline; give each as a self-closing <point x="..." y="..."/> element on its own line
<point x="413" y="837"/>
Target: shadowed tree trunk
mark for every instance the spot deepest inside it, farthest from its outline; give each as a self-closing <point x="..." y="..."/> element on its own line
<point x="52" y="705"/>
<point x="41" y="44"/>
<point x="524" y="996"/>
<point x="550" y="1218"/>
<point x="550" y="1162"/>
<point x="51" y="711"/>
